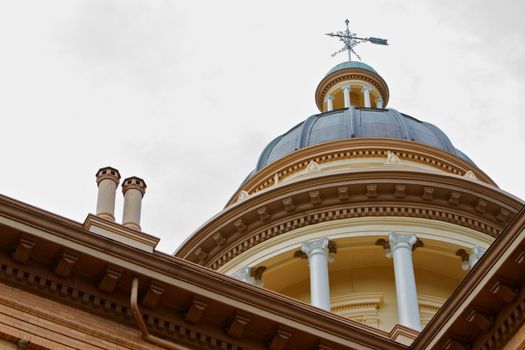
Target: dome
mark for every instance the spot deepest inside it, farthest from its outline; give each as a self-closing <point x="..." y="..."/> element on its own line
<point x="351" y="65"/>
<point x="356" y="123"/>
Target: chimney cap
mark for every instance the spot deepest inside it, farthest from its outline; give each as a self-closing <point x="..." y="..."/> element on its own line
<point x="135" y="183"/>
<point x="108" y="173"/>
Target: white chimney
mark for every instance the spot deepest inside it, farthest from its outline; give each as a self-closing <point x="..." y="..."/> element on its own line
<point x="108" y="179"/>
<point x="133" y="189"/>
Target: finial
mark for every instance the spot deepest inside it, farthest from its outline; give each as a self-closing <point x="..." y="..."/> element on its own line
<point x="350" y="40"/>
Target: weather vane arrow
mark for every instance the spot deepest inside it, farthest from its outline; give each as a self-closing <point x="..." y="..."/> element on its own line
<point x="350" y="40"/>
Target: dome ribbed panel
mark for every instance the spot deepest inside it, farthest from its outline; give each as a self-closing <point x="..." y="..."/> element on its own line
<point x="328" y="128"/>
<point x="377" y="123"/>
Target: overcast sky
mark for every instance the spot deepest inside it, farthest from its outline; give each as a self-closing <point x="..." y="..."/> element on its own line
<point x="186" y="94"/>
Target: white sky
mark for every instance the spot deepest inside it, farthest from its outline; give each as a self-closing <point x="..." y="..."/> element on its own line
<point x="186" y="94"/>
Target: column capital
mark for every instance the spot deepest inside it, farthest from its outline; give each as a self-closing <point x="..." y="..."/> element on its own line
<point x="400" y="240"/>
<point x="345" y="87"/>
<point x="329" y="97"/>
<point x="251" y="275"/>
<point x="319" y="246"/>
<point x="475" y="254"/>
<point x="366" y="88"/>
<point x="244" y="274"/>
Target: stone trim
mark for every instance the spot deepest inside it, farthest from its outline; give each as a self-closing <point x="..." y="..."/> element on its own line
<point x="356" y="148"/>
<point x="362" y="307"/>
<point x="203" y="249"/>
<point x="488" y="307"/>
<point x="338" y="214"/>
<point x="428" y="307"/>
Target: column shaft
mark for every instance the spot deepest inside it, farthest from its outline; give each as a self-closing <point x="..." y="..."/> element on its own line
<point x="406" y="293"/>
<point x="346" y="93"/>
<point x="366" y="95"/>
<point x="330" y="103"/>
<point x="317" y="252"/>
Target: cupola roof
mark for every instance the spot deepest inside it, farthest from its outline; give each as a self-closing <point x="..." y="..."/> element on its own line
<point x="350" y="65"/>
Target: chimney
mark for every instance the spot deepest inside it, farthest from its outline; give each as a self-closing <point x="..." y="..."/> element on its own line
<point x="108" y="179"/>
<point x="133" y="189"/>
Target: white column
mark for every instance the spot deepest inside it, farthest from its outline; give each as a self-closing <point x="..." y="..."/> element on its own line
<point x="379" y="103"/>
<point x="346" y="93"/>
<point x="407" y="303"/>
<point x="366" y="95"/>
<point x="475" y="254"/>
<point x="329" y="103"/>
<point x="317" y="253"/>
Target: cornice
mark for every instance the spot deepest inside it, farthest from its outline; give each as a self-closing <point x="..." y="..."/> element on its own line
<point x="178" y="280"/>
<point x="384" y="192"/>
<point x="488" y="306"/>
<point x="358" y="148"/>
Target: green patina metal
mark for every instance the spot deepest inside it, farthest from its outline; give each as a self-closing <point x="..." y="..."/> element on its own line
<point x="351" y="64"/>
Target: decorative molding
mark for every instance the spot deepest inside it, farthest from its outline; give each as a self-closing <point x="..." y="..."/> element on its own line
<point x="288" y="204"/>
<point x="65" y="265"/>
<point x="362" y="307"/>
<point x="392" y="158"/>
<point x="313" y="166"/>
<point x="400" y="191"/>
<point x="371" y="190"/>
<point x="237" y="325"/>
<point x="343" y="193"/>
<point x="23" y="250"/>
<point x="481" y="206"/>
<point x="263" y="213"/>
<point x="493" y="290"/>
<point x="109" y="281"/>
<point x="469" y="174"/>
<point x="454" y="198"/>
<point x="183" y="280"/>
<point x="243" y="195"/>
<point x="480" y="320"/>
<point x="201" y="254"/>
<point x="153" y="295"/>
<point x="358" y="148"/>
<point x="428" y="306"/>
<point x="281" y="227"/>
<point x="219" y="239"/>
<point x="240" y="226"/>
<point x="315" y="197"/>
<point x="196" y="310"/>
<point x="291" y="208"/>
<point x="504" y="291"/>
<point x="428" y="193"/>
<point x="279" y="340"/>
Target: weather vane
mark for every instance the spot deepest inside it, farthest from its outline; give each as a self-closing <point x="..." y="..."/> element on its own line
<point x="351" y="40"/>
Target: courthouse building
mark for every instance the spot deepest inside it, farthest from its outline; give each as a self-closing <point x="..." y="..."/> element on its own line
<point x="361" y="227"/>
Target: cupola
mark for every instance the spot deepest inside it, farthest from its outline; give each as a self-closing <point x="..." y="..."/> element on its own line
<point x="351" y="83"/>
